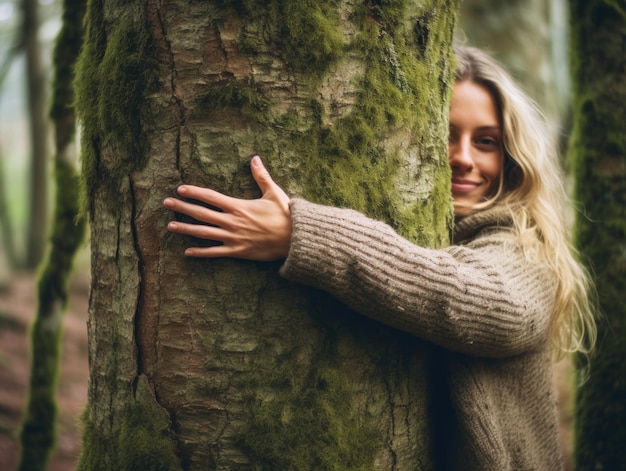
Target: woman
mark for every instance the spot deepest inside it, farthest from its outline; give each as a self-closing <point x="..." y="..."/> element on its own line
<point x="507" y="294"/>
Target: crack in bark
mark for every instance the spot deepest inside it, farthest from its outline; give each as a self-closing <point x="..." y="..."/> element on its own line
<point x="392" y="416"/>
<point x="113" y="385"/>
<point x="138" y="331"/>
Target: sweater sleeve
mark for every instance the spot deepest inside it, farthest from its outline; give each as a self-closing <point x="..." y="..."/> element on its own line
<point x="483" y="299"/>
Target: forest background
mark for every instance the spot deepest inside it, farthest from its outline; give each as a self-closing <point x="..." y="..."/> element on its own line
<point x="530" y="37"/>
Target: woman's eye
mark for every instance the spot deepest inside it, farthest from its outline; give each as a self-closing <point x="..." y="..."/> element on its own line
<point x="487" y="142"/>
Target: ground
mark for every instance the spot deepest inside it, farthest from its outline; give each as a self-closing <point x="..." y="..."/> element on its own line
<point x="17" y="308"/>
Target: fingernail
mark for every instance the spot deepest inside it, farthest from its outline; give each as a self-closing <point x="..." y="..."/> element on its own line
<point x="172" y="225"/>
<point x="182" y="190"/>
<point x="256" y="161"/>
<point x="168" y="202"/>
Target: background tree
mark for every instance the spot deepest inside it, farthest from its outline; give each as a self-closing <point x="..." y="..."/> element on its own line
<point x="15" y="39"/>
<point x="38" y="429"/>
<point x="8" y="259"/>
<point x="24" y="40"/>
<point x="223" y="364"/>
<point x="598" y="151"/>
<point x="38" y="214"/>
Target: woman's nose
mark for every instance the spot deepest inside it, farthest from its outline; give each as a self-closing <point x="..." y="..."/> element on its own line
<point x="461" y="154"/>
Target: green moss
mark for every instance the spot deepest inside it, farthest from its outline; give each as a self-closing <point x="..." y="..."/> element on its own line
<point x="139" y="439"/>
<point x="305" y="31"/>
<point x="310" y="36"/>
<point x="115" y="71"/>
<point x="67" y="235"/>
<point x="307" y="409"/>
<point x="136" y="444"/>
<point x="37" y="435"/>
<point x="38" y="430"/>
<point x="346" y="160"/>
<point x="66" y="50"/>
<point x="307" y="423"/>
<point x="346" y="163"/>
<point x="233" y="94"/>
<point x="423" y="221"/>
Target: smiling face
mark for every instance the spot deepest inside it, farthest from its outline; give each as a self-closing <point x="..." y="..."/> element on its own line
<point x="475" y="150"/>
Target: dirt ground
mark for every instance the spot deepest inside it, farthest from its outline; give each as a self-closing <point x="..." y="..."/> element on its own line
<point x="17" y="308"/>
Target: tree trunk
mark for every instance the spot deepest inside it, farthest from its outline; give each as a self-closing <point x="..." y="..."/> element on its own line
<point x="8" y="247"/>
<point x="38" y="430"/>
<point x="8" y="257"/>
<point x="222" y="364"/>
<point x="38" y="216"/>
<point x="598" y="151"/>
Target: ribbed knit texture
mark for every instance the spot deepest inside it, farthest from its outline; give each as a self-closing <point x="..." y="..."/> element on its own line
<point x="480" y="299"/>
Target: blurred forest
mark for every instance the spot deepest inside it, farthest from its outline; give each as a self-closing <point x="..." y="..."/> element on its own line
<point x="529" y="37"/>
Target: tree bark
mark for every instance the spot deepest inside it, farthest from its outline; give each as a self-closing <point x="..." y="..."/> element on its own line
<point x="222" y="364"/>
<point x="598" y="152"/>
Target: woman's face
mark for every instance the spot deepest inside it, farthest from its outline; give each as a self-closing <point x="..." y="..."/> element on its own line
<point x="475" y="150"/>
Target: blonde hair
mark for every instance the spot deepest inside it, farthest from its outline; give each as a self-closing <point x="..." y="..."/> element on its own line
<point x="532" y="188"/>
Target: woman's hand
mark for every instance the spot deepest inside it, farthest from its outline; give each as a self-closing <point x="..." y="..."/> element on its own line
<point x="257" y="229"/>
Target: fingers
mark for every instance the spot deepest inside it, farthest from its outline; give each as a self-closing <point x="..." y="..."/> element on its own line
<point x="199" y="231"/>
<point x="206" y="195"/>
<point x="224" y="244"/>
<point x="212" y="252"/>
<point x="268" y="187"/>
<point x="257" y="229"/>
<point x="218" y="248"/>
<point x="260" y="174"/>
<point x="195" y="211"/>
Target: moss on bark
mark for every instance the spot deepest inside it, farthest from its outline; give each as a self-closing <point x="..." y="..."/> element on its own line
<point x="347" y="159"/>
<point x="309" y="422"/>
<point x="140" y="439"/>
<point x="115" y="71"/>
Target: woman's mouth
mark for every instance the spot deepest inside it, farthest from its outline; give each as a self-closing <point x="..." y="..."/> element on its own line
<point x="460" y="185"/>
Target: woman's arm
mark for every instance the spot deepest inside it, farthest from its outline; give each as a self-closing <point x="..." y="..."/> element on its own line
<point x="483" y="299"/>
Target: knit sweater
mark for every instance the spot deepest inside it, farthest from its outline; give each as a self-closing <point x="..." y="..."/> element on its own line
<point x="480" y="299"/>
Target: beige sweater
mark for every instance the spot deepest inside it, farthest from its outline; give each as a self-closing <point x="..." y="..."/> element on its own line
<point x="479" y="299"/>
